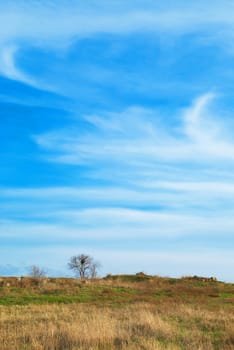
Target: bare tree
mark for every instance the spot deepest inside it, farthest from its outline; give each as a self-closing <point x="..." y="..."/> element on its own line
<point x="83" y="266"/>
<point x="94" y="269"/>
<point x="36" y="272"/>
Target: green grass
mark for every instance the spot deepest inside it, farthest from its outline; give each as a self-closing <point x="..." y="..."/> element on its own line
<point x="227" y="294"/>
<point x="115" y="289"/>
<point x="83" y="294"/>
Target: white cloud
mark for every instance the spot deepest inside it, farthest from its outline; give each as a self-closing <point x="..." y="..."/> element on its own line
<point x="135" y="137"/>
<point x="205" y="131"/>
<point x="194" y="119"/>
<point x="124" y="222"/>
<point x="213" y="188"/>
<point x="8" y="67"/>
<point x="134" y="147"/>
<point x="170" y="193"/>
<point x="76" y="19"/>
<point x="57" y="25"/>
<point x="116" y="223"/>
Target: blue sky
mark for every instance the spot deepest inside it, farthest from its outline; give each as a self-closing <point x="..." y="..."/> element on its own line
<point x="116" y="136"/>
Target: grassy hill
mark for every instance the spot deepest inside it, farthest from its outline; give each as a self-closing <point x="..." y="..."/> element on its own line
<point x="116" y="312"/>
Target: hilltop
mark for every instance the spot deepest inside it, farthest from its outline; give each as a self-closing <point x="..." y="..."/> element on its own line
<point x="119" y="312"/>
<point x="115" y="289"/>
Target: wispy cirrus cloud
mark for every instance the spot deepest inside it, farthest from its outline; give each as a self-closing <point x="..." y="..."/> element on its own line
<point x="173" y="199"/>
<point x="139" y="164"/>
<point x="137" y="137"/>
<point x="8" y="66"/>
<point x="34" y="24"/>
<point x="77" y="19"/>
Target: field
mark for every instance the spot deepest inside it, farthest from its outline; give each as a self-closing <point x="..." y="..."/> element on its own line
<point x="117" y="312"/>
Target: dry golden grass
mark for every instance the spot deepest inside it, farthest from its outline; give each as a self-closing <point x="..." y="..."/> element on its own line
<point x="119" y="312"/>
<point x="138" y="326"/>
